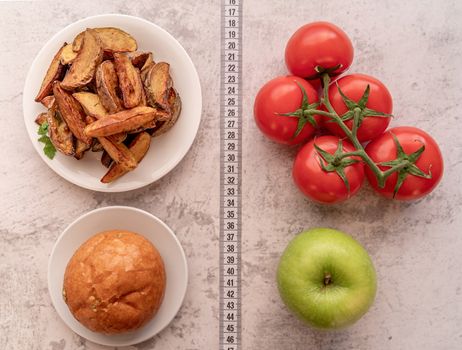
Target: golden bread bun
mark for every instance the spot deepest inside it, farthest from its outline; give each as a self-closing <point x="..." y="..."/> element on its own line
<point x="114" y="282"/>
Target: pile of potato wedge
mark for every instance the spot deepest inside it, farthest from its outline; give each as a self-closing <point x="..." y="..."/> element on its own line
<point x="104" y="95"/>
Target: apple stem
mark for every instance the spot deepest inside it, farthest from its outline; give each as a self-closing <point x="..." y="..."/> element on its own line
<point x="327" y="279"/>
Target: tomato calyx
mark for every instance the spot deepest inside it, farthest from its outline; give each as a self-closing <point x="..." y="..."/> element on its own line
<point x="404" y="165"/>
<point x="304" y="113"/>
<point x="358" y="110"/>
<point x="336" y="162"/>
<point x="320" y="71"/>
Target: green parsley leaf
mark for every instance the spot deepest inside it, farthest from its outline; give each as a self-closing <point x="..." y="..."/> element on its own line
<point x="48" y="148"/>
<point x="43" y="129"/>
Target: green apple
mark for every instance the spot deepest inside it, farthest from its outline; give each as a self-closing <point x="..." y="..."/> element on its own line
<point x="326" y="278"/>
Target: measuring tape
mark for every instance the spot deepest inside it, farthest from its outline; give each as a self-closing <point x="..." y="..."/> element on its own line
<point x="230" y="179"/>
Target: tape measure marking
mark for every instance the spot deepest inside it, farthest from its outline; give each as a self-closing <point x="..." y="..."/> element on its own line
<point x="230" y="175"/>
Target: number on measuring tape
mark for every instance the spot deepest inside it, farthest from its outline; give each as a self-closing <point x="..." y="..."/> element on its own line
<point x="230" y="195"/>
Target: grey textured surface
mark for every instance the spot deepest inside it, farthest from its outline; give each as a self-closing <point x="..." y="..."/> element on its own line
<point x="414" y="47"/>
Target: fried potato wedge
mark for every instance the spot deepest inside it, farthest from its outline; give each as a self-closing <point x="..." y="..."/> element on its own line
<point x="96" y="146"/>
<point x="129" y="80"/>
<point x="72" y="113"/>
<point x="68" y="55"/>
<point x="158" y="83"/>
<point x="48" y="101"/>
<point x="107" y="84"/>
<point x="123" y="121"/>
<point x="139" y="58"/>
<point x="112" y="40"/>
<point x="90" y="103"/>
<point x="88" y="58"/>
<point x="119" y="137"/>
<point x="60" y="135"/>
<point x="119" y="153"/>
<point x="106" y="159"/>
<point x="80" y="149"/>
<point x="138" y="147"/>
<point x="54" y="72"/>
<point x="41" y="118"/>
<point x="146" y="66"/>
<point x="175" y="110"/>
<point x="92" y="106"/>
<point x="144" y="100"/>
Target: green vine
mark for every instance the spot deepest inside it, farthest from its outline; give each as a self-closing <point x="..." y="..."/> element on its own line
<point x="404" y="164"/>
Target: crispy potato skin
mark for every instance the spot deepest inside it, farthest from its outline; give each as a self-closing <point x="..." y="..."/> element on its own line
<point x="48" y="101"/>
<point x="143" y="100"/>
<point x="138" y="147"/>
<point x="90" y="103"/>
<point x="59" y="133"/>
<point x="146" y="66"/>
<point x="80" y="149"/>
<point x="68" y="55"/>
<point x="54" y="72"/>
<point x="175" y="110"/>
<point x="129" y="80"/>
<point x="41" y="118"/>
<point x="124" y="121"/>
<point x="96" y="146"/>
<point x="72" y="113"/>
<point x="158" y="83"/>
<point x="106" y="159"/>
<point x="93" y="107"/>
<point x="139" y="58"/>
<point x="112" y="40"/>
<point x="106" y="86"/>
<point x="88" y="58"/>
<point x="119" y="153"/>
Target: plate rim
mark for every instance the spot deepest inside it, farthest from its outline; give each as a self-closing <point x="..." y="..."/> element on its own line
<point x="118" y="188"/>
<point x="108" y="208"/>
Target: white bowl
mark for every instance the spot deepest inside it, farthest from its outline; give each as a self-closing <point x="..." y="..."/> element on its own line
<point x="124" y="218"/>
<point x="166" y="150"/>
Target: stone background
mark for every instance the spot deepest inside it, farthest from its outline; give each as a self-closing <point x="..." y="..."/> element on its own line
<point x="414" y="47"/>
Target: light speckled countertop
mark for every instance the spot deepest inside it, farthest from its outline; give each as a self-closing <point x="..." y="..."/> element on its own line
<point x="414" y="47"/>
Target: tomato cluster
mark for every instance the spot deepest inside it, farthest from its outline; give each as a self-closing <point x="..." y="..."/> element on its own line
<point x="342" y="122"/>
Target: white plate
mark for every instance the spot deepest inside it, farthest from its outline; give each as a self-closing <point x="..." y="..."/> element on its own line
<point x="124" y="218"/>
<point x="167" y="150"/>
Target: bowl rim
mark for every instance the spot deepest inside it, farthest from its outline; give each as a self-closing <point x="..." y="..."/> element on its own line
<point x="109" y="208"/>
<point x="169" y="166"/>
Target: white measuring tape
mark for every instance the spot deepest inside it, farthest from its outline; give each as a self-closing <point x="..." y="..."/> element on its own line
<point x="230" y="175"/>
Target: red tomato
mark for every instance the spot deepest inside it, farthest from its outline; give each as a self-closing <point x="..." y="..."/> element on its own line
<point x="319" y="185"/>
<point x="353" y="86"/>
<point x="283" y="95"/>
<point x="384" y="149"/>
<point x="320" y="44"/>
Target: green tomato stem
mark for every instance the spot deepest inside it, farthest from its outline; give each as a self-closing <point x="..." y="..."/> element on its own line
<point x="351" y="154"/>
<point x="357" y="115"/>
<point x="351" y="135"/>
<point x="394" y="169"/>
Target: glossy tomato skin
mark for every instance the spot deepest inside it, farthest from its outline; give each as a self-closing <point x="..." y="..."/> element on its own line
<point x="353" y="86"/>
<point x="318" y="185"/>
<point x="283" y="95"/>
<point x="318" y="44"/>
<point x="383" y="149"/>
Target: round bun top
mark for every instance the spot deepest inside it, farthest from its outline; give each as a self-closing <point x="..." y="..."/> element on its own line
<point x="114" y="282"/>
